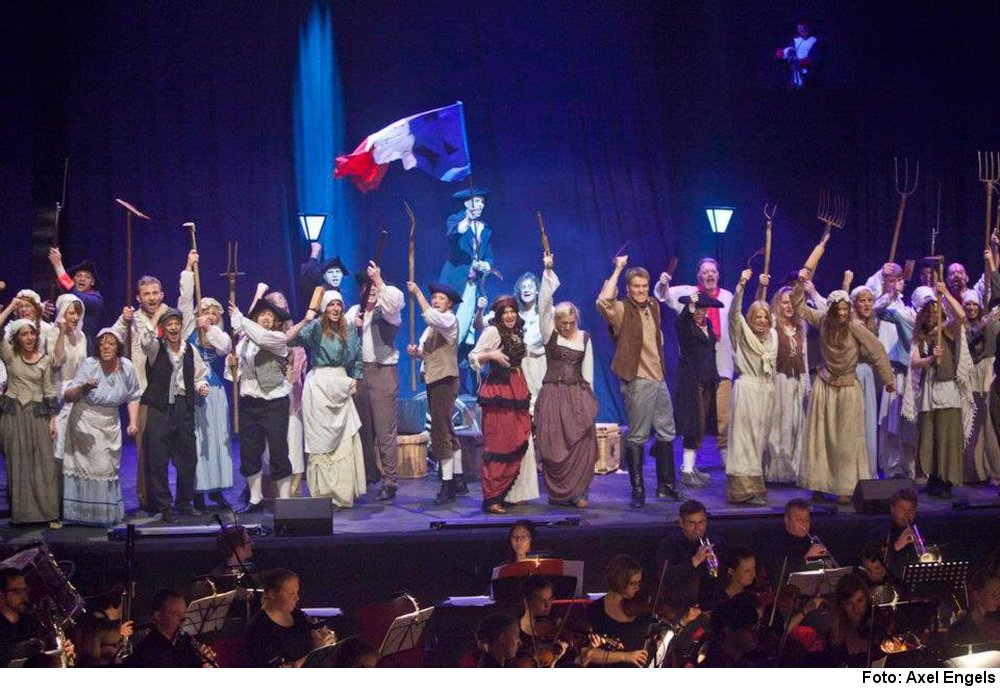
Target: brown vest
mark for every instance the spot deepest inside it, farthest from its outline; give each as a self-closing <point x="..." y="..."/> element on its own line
<point x="628" y="343"/>
<point x="440" y="358"/>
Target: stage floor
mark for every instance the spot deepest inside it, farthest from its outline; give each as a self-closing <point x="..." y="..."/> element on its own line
<point x="413" y="510"/>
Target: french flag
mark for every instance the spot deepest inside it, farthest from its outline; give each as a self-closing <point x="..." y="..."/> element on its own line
<point x="432" y="141"/>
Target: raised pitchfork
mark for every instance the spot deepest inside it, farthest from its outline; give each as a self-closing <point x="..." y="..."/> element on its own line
<point x="989" y="174"/>
<point x="769" y="217"/>
<point x="832" y="212"/>
<point x="905" y="189"/>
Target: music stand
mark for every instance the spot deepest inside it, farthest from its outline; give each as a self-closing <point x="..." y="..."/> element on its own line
<point x="208" y="614"/>
<point x="404" y="632"/>
<point x="818" y="581"/>
<point x="932" y="578"/>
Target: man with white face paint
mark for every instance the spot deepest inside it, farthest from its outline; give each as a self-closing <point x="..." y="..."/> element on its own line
<point x="470" y="256"/>
<point x="328" y="274"/>
<point x="708" y="285"/>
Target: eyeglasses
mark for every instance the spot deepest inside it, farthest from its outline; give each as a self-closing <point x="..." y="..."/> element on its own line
<point x="520" y="537"/>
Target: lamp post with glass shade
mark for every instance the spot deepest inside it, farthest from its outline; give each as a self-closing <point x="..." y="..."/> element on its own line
<point x="718" y="220"/>
<point x="312" y="225"/>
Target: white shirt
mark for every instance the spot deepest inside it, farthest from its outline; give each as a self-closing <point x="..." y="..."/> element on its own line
<point x="390" y="300"/>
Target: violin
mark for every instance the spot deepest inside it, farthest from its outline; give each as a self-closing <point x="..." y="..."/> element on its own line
<point x="552" y="641"/>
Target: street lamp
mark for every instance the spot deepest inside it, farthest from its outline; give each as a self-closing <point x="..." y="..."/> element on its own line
<point x="718" y="219"/>
<point x="311" y="225"/>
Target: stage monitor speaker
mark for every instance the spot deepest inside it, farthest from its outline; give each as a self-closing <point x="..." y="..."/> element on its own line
<point x="303" y="516"/>
<point x="872" y="496"/>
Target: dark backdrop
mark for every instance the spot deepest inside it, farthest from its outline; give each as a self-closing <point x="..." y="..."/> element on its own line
<point x="619" y="122"/>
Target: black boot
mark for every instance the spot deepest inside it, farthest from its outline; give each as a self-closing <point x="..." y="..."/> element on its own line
<point x="446" y="494"/>
<point x="199" y="501"/>
<point x="461" y="489"/>
<point x="220" y="500"/>
<point x="633" y="459"/>
<point x="666" y="476"/>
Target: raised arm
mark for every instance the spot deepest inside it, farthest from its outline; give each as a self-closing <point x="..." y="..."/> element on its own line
<point x="185" y="298"/>
<point x="798" y="298"/>
<point x="269" y="340"/>
<point x="546" y="314"/>
<point x="610" y="309"/>
<point x="736" y="307"/>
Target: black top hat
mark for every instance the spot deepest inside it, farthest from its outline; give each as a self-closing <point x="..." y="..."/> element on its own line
<point x="362" y="279"/>
<point x="264" y="305"/>
<point x="87" y="265"/>
<point x="466" y="194"/>
<point x="438" y="288"/>
<point x="704" y="301"/>
<point x="334" y="262"/>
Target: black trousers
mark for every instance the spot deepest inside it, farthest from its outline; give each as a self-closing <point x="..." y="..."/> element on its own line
<point x="170" y="436"/>
<point x="264" y="423"/>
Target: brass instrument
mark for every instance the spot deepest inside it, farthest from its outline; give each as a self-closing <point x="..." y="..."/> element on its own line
<point x="711" y="560"/>
<point x="925" y="553"/>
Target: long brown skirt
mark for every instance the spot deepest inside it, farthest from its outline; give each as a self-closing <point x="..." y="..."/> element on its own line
<point x="33" y="478"/>
<point x="566" y="439"/>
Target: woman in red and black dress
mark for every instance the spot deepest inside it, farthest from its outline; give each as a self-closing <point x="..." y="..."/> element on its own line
<point x="504" y="399"/>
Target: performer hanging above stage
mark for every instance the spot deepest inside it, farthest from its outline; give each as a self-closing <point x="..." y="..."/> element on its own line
<point x="897" y="437"/>
<point x="638" y="362"/>
<point x="438" y="351"/>
<point x="938" y="392"/>
<point x="132" y="322"/>
<point x="566" y="407"/>
<point x="336" y="466"/>
<point x="783" y="458"/>
<point x="28" y="424"/>
<point x="214" y="471"/>
<point x="697" y="375"/>
<point x="803" y="57"/>
<point x="835" y="456"/>
<point x="504" y="399"/>
<point x="378" y="390"/>
<point x="470" y="258"/>
<point x="176" y="374"/>
<point x="262" y="358"/>
<point x="688" y="556"/>
<point x="92" y="492"/>
<point x="708" y="285"/>
<point x="82" y="281"/>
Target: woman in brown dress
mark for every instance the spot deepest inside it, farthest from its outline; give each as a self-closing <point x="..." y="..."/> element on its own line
<point x="566" y="406"/>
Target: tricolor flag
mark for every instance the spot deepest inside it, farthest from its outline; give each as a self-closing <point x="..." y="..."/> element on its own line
<point x="433" y="141"/>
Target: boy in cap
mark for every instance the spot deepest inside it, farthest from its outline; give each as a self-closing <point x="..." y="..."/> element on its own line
<point x="438" y="351"/>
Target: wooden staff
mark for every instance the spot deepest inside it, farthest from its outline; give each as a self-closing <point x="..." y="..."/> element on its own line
<point x="545" y="237"/>
<point x="940" y="297"/>
<point x="989" y="174"/>
<point x="315" y="301"/>
<point x="363" y="307"/>
<point x="197" y="280"/>
<point x="231" y="273"/>
<point x="130" y="212"/>
<point x="413" y="306"/>
<point x="769" y="216"/>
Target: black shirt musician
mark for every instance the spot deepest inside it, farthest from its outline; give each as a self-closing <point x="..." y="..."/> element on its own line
<point x="688" y="580"/>
<point x="165" y="645"/>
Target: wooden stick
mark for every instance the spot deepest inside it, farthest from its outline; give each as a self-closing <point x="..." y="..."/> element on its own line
<point x="411" y="250"/>
<point x="316" y="300"/>
<point x="197" y="283"/>
<point x="762" y="289"/>
<point x="545" y="237"/>
<point x="899" y="224"/>
<point x="940" y="306"/>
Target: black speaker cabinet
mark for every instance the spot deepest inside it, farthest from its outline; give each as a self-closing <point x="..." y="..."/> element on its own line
<point x="872" y="496"/>
<point x="309" y="516"/>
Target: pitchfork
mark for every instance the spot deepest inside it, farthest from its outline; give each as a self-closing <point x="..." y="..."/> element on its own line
<point x="905" y="189"/>
<point x="769" y="216"/>
<point x="832" y="212"/>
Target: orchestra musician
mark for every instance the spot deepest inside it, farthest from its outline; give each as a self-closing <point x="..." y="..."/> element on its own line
<point x="166" y="646"/>
<point x="740" y="571"/>
<point x="794" y="544"/>
<point x="280" y="634"/>
<point x="519" y="537"/>
<point x="734" y="640"/>
<point x="978" y="626"/>
<point x="21" y="635"/>
<point x="897" y="535"/>
<point x="498" y="640"/>
<point x="688" y="580"/>
<point x="610" y="616"/>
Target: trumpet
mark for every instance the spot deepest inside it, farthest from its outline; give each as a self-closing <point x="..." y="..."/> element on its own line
<point x="827" y="560"/>
<point x="711" y="559"/>
<point x="925" y="553"/>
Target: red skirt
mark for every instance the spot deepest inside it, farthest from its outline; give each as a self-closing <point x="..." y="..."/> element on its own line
<point x="506" y="431"/>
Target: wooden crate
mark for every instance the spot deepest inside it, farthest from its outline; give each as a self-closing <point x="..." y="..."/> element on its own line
<point x="413" y="455"/>
<point x="609" y="448"/>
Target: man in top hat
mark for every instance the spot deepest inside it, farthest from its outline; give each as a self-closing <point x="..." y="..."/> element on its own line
<point x="262" y="359"/>
<point x="175" y="375"/>
<point x="378" y="391"/>
<point x="327" y="274"/>
<point x="708" y="285"/>
<point x="82" y="281"/>
<point x="470" y="254"/>
<point x="438" y="349"/>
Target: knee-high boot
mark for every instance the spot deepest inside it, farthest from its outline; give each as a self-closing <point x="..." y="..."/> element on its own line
<point x="666" y="476"/>
<point x="633" y="458"/>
